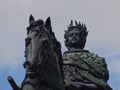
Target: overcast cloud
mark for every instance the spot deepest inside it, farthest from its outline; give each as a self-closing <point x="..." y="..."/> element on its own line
<point x="102" y="18"/>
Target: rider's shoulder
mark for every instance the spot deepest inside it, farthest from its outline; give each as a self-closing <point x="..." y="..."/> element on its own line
<point x="95" y="57"/>
<point x="83" y="53"/>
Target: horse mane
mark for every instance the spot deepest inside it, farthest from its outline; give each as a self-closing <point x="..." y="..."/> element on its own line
<point x="57" y="49"/>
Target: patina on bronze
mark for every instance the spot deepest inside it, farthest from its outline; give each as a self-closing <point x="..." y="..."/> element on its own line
<point x="47" y="69"/>
<point x="43" y="58"/>
<point x="82" y="69"/>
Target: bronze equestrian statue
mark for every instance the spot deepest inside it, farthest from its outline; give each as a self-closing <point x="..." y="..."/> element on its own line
<point x="47" y="69"/>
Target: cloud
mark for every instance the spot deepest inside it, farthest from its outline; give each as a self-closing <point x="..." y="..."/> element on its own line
<point x="114" y="65"/>
<point x="12" y="34"/>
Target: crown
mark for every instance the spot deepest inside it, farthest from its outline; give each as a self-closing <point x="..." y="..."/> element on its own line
<point x="81" y="27"/>
<point x="82" y="32"/>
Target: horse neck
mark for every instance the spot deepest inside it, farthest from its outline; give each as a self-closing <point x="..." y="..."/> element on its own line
<point x="52" y="73"/>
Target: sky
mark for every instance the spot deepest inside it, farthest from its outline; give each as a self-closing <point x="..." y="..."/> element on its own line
<point x="102" y="18"/>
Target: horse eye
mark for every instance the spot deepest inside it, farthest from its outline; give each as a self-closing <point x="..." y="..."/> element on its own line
<point x="36" y="33"/>
<point x="27" y="41"/>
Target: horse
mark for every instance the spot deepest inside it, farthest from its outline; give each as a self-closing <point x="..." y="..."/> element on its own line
<point x="43" y="57"/>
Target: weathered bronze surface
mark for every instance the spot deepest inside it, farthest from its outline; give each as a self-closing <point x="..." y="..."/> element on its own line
<point x="47" y="69"/>
<point x="43" y="58"/>
<point x="82" y="69"/>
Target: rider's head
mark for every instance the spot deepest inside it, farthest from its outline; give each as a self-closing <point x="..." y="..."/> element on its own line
<point x="75" y="36"/>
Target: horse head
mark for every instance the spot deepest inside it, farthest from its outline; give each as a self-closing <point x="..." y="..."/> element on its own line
<point x="38" y="39"/>
<point x="43" y="57"/>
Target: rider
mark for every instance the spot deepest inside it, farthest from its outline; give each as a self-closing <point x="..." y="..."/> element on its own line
<point x="82" y="69"/>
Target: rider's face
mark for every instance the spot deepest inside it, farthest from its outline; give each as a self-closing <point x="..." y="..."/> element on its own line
<point x="74" y="36"/>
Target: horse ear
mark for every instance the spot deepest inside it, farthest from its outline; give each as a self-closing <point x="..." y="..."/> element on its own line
<point x="31" y="18"/>
<point x="48" y="24"/>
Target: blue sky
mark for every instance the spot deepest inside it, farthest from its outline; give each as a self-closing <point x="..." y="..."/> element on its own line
<point x="102" y="18"/>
